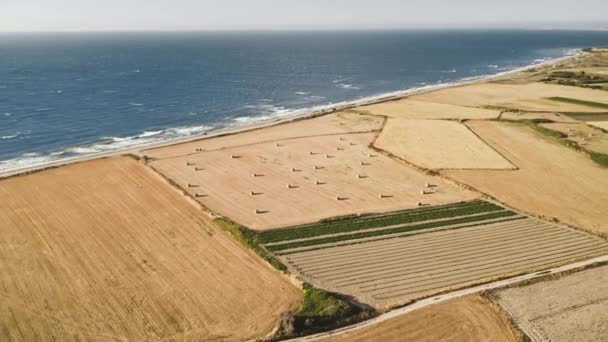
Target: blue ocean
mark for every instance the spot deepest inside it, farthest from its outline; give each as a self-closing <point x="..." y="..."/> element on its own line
<point x="66" y="95"/>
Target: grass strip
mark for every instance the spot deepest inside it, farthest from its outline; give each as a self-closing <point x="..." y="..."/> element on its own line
<point x="333" y="239"/>
<point x="247" y="238"/>
<point x="580" y="102"/>
<point x="354" y="224"/>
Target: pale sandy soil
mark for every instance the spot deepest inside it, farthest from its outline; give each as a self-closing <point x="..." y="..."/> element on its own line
<point x="600" y="124"/>
<point x="469" y="318"/>
<point x="530" y="97"/>
<point x="573" y="308"/>
<point x="553" y="180"/>
<point x="106" y="250"/>
<point x="556" y="117"/>
<point x="342" y="122"/>
<point x="438" y="144"/>
<point x="227" y="182"/>
<point x="412" y="109"/>
<point x="393" y="272"/>
<point x="589" y="138"/>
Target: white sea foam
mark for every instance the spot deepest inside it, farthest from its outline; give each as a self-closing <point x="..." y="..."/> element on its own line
<point x="301" y="93"/>
<point x="347" y="86"/>
<point x="8" y="136"/>
<point x="136" y="104"/>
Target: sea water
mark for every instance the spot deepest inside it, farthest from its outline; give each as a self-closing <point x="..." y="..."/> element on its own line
<point x="67" y="95"/>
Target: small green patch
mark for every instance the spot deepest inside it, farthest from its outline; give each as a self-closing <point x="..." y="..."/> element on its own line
<point x="248" y="238"/>
<point x="321" y="311"/>
<point x="579" y="102"/>
<point x="599" y="158"/>
<point x="322" y="305"/>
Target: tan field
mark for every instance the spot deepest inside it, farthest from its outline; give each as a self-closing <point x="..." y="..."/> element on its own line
<point x="555" y="117"/>
<point x="573" y="308"/>
<point x="589" y="138"/>
<point x="470" y="318"/>
<point x="600" y="124"/>
<point x="438" y="144"/>
<point x="527" y="97"/>
<point x="339" y="123"/>
<point x="392" y="272"/>
<point x="106" y="250"/>
<point x="274" y="184"/>
<point x="413" y="109"/>
<point x="552" y="181"/>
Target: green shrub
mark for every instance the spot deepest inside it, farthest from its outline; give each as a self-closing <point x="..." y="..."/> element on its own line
<point x="600" y="158"/>
<point x="248" y="239"/>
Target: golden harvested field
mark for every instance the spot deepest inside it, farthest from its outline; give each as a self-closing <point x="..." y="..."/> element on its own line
<point x="600" y="124"/>
<point x="470" y="318"/>
<point x="106" y="250"/>
<point x="274" y="184"/>
<point x="396" y="270"/>
<point x="527" y="97"/>
<point x="338" y="123"/>
<point x="572" y="308"/>
<point x="438" y="144"/>
<point x="413" y="109"/>
<point x="553" y="180"/>
<point x="590" y="138"/>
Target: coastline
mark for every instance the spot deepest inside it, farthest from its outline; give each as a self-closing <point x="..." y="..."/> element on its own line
<point x="305" y="114"/>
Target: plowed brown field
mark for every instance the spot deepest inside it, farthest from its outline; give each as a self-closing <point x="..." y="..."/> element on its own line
<point x="107" y="250"/>
<point x="393" y="272"/>
<point x="572" y="308"/>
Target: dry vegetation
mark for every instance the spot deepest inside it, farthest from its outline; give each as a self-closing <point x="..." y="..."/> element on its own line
<point x="106" y="250"/>
<point x="552" y="180"/>
<point x="589" y="138"/>
<point x="296" y="181"/>
<point x="438" y="144"/>
<point x="573" y="308"/>
<point x="464" y="319"/>
<point x="526" y="97"/>
<point x="413" y="109"/>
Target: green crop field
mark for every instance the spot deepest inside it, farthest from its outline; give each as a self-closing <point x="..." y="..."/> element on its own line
<point x="352" y="230"/>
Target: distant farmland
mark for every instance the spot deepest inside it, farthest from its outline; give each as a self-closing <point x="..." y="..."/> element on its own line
<point x="391" y="259"/>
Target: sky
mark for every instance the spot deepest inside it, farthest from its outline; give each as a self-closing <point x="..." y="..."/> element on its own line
<point x="168" y="15"/>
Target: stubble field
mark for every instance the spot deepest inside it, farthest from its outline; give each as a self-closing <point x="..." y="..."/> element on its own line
<point x="572" y="308"/>
<point x="108" y="250"/>
<point x="301" y="180"/>
<point x="438" y="144"/>
<point x="552" y="180"/>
